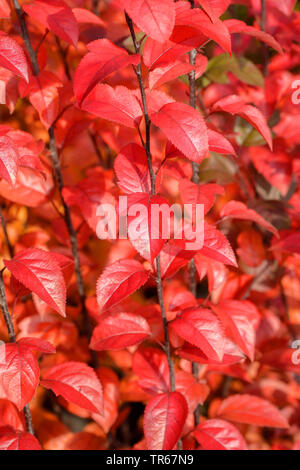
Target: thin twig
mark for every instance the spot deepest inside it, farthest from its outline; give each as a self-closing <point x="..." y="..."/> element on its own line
<point x="4" y="228"/>
<point x="59" y="178"/>
<point x="263" y="27"/>
<point x="5" y="312"/>
<point x="12" y="336"/>
<point x="63" y="58"/>
<point x="152" y="178"/>
<point x="96" y="148"/>
<point x="21" y="17"/>
<point x="41" y="41"/>
<point x="95" y="7"/>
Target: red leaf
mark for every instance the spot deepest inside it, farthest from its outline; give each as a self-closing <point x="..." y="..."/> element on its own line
<point x="87" y="195"/>
<point x="19" y="375"/>
<point x="84" y="16"/>
<point x="214" y="8"/>
<point x="37" y="344"/>
<point x="185" y="128"/>
<point x="111" y="398"/>
<point x="250" y="409"/>
<point x="214" y="270"/>
<point x="286" y="7"/>
<point x="237" y="26"/>
<point x="30" y="190"/>
<point x="200" y="327"/>
<point x="144" y="231"/>
<point x="216" y="434"/>
<point x="174" y="256"/>
<point x="151" y="366"/>
<point x="28" y="149"/>
<point x="119" y="331"/>
<point x="276" y="167"/>
<point x="218" y="143"/>
<point x="56" y="16"/>
<point x="233" y="104"/>
<point x="43" y="95"/>
<point x="251" y="248"/>
<point x="39" y="271"/>
<point x="156" y="54"/>
<point x="194" y="392"/>
<point x="118" y="281"/>
<point x="168" y="72"/>
<point x="77" y="383"/>
<point x="217" y="247"/>
<point x="239" y="210"/>
<point x="17" y="440"/>
<point x="4" y="9"/>
<point x="205" y="194"/>
<point x="119" y="105"/>
<point x="290" y="243"/>
<point x="286" y="359"/>
<point x="154" y="17"/>
<point x="196" y="18"/>
<point x="132" y="171"/>
<point x="164" y="419"/>
<point x="232" y="354"/>
<point x="234" y="316"/>
<point x="102" y="59"/>
<point x="12" y="56"/>
<point x="8" y="159"/>
<point x="10" y="416"/>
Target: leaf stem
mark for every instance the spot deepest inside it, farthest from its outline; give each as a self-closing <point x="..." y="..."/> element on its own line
<point x="60" y="182"/>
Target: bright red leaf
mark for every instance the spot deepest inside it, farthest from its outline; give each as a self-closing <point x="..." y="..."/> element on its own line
<point x="165" y="416"/>
<point x="154" y="17"/>
<point x="239" y="210"/>
<point x="118" y="281"/>
<point x="234" y="316"/>
<point x="233" y="104"/>
<point x="39" y="271"/>
<point x="119" y="105"/>
<point x="12" y="56"/>
<point x="251" y="410"/>
<point x="151" y="366"/>
<point x="19" y="374"/>
<point x="200" y="327"/>
<point x="56" y="16"/>
<point x="216" y="434"/>
<point x="119" y="331"/>
<point x="102" y="59"/>
<point x="77" y="383"/>
<point x="185" y="128"/>
<point x="17" y="440"/>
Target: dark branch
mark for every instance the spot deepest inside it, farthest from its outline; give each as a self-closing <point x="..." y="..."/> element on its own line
<point x="4" y="228"/>
<point x="32" y="55"/>
<point x="263" y="27"/>
<point x="59" y="178"/>
<point x="146" y="144"/>
<point x="12" y="336"/>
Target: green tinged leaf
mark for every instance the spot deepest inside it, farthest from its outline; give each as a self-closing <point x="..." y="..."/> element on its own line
<point x="242" y="68"/>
